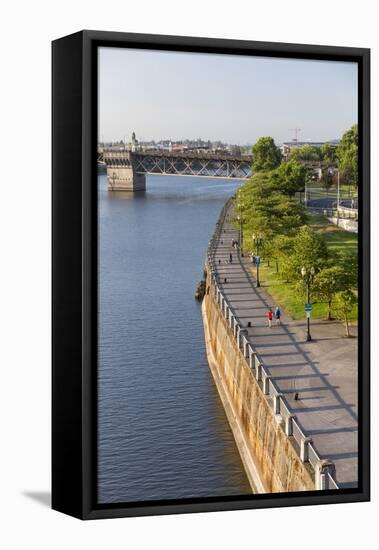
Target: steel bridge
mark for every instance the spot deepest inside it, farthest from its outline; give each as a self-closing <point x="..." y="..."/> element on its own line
<point x="126" y="170"/>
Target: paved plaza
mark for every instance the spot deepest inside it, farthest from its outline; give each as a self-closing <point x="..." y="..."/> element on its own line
<point x="322" y="372"/>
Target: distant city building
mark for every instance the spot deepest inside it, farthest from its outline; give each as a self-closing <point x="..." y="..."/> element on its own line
<point x="178" y="146"/>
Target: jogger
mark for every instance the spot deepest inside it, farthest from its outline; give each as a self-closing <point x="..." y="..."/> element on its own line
<point x="269" y="317"/>
<point x="278" y="314"/>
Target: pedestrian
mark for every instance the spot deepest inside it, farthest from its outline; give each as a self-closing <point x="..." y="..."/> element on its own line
<point x="253" y="259"/>
<point x="278" y="314"/>
<point x="269" y="317"/>
<point x="230" y="258"/>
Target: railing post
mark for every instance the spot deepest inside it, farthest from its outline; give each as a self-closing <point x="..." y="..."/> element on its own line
<point x="277" y="403"/>
<point x="242" y="341"/>
<point x="266" y="384"/>
<point x="245" y="342"/>
<point x="288" y="424"/>
<point x="258" y="373"/>
<point x="238" y="336"/>
<point x="251" y="358"/>
<point x="304" y="443"/>
<point x="324" y="468"/>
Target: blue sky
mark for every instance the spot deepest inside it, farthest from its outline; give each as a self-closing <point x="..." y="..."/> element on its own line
<point x="165" y="95"/>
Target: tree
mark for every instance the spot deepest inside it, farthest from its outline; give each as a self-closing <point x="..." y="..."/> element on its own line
<point x="345" y="303"/>
<point x="347" y="156"/>
<point x="349" y="266"/>
<point x="282" y="249"/>
<point x="309" y="250"/>
<point x="327" y="180"/>
<point x="266" y="155"/>
<point x="267" y="211"/>
<point x="327" y="283"/>
<point x="329" y="152"/>
<point x="306" y="152"/>
<point x="289" y="177"/>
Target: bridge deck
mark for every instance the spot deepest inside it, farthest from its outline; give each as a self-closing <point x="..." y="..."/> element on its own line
<point x="323" y="372"/>
<point x="180" y="164"/>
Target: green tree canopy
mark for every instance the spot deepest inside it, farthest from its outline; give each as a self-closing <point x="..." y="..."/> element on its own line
<point x="282" y="246"/>
<point x="327" y="179"/>
<point x="309" y="250"/>
<point x="345" y="303"/>
<point x="329" y="152"/>
<point x="266" y="155"/>
<point x="327" y="282"/>
<point x="348" y="262"/>
<point x="267" y="212"/>
<point x="347" y="156"/>
<point x="306" y="152"/>
<point x="289" y="177"/>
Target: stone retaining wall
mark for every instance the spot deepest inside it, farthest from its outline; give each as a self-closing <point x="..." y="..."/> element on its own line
<point x="270" y="457"/>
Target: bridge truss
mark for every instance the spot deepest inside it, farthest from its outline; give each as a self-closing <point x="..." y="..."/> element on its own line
<point x="181" y="164"/>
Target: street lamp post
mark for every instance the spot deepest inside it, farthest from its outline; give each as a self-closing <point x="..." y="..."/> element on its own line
<point x="308" y="278"/>
<point x="338" y="197"/>
<point x="239" y="218"/>
<point x="305" y="192"/>
<point x="258" y="240"/>
<point x="240" y="207"/>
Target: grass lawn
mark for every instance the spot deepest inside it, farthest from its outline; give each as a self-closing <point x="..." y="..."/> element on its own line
<point x="285" y="293"/>
<point x="336" y="239"/>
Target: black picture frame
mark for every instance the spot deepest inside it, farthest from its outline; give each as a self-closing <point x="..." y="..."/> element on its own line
<point x="74" y="272"/>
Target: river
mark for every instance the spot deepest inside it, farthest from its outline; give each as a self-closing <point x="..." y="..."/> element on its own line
<point x="162" y="430"/>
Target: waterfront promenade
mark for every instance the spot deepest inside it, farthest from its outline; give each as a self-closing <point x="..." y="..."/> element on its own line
<point x="322" y="372"/>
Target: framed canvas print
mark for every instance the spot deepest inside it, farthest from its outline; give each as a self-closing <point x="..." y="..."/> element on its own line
<point x="210" y="274"/>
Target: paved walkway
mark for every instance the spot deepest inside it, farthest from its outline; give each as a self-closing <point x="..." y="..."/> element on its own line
<point x="323" y="371"/>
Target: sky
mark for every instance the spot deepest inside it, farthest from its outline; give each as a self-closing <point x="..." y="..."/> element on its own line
<point x="235" y="99"/>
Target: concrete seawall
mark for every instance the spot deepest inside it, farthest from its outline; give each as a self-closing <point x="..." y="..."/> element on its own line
<point x="271" y="461"/>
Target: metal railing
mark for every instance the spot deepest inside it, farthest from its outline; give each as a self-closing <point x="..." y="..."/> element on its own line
<point x="344" y="213"/>
<point x="324" y="470"/>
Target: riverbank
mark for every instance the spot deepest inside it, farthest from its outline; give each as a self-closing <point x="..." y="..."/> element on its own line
<point x="315" y="381"/>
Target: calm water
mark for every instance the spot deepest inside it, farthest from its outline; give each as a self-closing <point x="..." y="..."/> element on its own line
<point x="163" y="432"/>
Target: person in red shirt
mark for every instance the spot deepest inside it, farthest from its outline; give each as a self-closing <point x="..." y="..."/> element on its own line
<point x="269" y="317"/>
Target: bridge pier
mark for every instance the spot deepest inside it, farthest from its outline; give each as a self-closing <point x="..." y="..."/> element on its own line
<point x="125" y="179"/>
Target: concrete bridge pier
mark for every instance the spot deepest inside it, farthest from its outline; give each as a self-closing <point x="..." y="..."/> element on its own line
<point x="125" y="179"/>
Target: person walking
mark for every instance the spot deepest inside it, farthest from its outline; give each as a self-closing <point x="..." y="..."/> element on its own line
<point x="269" y="317"/>
<point x="230" y="258"/>
<point x="278" y="314"/>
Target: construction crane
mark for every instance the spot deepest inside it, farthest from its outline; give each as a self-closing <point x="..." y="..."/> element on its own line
<point x="296" y="132"/>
